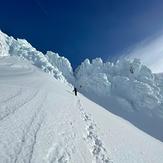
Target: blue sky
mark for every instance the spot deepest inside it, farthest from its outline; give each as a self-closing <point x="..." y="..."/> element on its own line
<point x="82" y="29"/>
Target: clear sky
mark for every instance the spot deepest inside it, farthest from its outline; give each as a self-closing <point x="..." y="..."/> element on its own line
<point x="79" y="29"/>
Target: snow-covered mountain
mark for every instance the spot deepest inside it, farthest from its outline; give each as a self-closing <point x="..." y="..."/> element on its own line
<point x="126" y="88"/>
<point x="136" y="96"/>
<point x="41" y="121"/>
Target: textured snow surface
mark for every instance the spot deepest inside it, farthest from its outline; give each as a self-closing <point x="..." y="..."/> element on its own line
<point x="41" y="121"/>
<point x="126" y="88"/>
<point x="62" y="64"/>
<point x="20" y="47"/>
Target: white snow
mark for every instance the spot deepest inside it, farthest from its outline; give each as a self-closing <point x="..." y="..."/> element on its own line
<point x="62" y="64"/>
<point x="137" y="96"/>
<point x="4" y="47"/>
<point x="43" y="122"/>
<point x="20" y="47"/>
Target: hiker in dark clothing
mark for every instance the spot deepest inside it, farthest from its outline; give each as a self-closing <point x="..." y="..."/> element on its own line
<point x="131" y="69"/>
<point x="75" y="90"/>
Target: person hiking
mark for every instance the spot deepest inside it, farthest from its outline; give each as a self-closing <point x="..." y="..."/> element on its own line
<point x="75" y="91"/>
<point x="131" y="69"/>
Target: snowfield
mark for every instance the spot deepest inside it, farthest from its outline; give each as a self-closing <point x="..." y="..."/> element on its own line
<point x="126" y="88"/>
<point x="41" y="121"/>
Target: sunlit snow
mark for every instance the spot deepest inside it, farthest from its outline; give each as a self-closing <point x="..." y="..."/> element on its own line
<point x="41" y="121"/>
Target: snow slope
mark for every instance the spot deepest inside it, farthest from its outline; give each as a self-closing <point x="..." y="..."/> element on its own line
<point x="137" y="96"/>
<point x="41" y="121"/>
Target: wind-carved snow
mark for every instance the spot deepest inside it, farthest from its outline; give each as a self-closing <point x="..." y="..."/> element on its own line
<point x="4" y="47"/>
<point x="23" y="49"/>
<point x="126" y="88"/>
<point x="62" y="64"/>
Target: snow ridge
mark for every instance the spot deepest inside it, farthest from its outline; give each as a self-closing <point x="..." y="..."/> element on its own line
<point x="20" y="47"/>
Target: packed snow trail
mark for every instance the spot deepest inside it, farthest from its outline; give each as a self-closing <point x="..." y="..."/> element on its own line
<point x="41" y="121"/>
<point x="98" y="151"/>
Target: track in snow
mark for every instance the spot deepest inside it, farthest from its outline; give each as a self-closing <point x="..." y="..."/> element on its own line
<point x="29" y="137"/>
<point x="21" y="111"/>
<point x="95" y="143"/>
<point x="13" y="104"/>
<point x="41" y="121"/>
